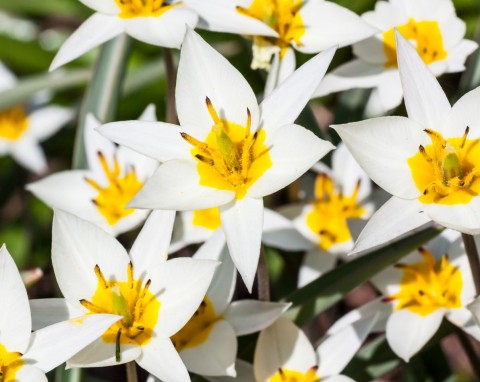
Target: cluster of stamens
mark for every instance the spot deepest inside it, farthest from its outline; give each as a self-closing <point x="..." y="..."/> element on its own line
<point x="285" y="375"/>
<point x="13" y="122"/>
<point x="129" y="302"/>
<point x="136" y="8"/>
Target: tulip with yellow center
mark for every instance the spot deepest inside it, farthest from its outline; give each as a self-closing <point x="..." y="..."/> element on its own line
<point x="431" y="26"/>
<point x="101" y="193"/>
<point x="27" y="356"/>
<point x="153" y="297"/>
<point x="279" y="27"/>
<point x="22" y="130"/>
<point x="228" y="151"/>
<point x="428" y="161"/>
<point x="156" y="22"/>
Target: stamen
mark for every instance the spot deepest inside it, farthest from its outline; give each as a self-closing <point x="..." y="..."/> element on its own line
<point x="212" y="111"/>
<point x="195" y="142"/>
<point x="464" y="138"/>
<point x="249" y="124"/>
<point x="100" y="277"/>
<point x="424" y="153"/>
<point x="94" y="184"/>
<point x="204" y="159"/>
<point x="130" y="274"/>
<point x="328" y="234"/>
<point x="91" y="307"/>
<point x="117" y="346"/>
<point x="436" y="137"/>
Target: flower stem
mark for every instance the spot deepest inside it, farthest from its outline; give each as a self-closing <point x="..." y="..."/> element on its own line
<point x="171" y="112"/>
<point x="469" y="351"/>
<point x="132" y="372"/>
<point x="263" y="282"/>
<point x="472" y="254"/>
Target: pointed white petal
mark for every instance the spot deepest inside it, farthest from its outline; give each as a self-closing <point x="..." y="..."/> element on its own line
<point x="385" y="164"/>
<point x="176" y="186"/>
<point x="180" y="285"/>
<point x="282" y="345"/>
<point x="425" y="100"/>
<point x="293" y="150"/>
<point x="7" y="78"/>
<point x="463" y="318"/>
<point x="339" y="378"/>
<point x="15" y="321"/>
<point x="464" y="113"/>
<point x="96" y="30"/>
<point x="160" y="358"/>
<point x="99" y="354"/>
<point x="216" y="355"/>
<point x="250" y="316"/>
<point x="53" y="345"/>
<point x="336" y="351"/>
<point x="280" y="70"/>
<point x="315" y="263"/>
<point x="158" y="140"/>
<point x="49" y="311"/>
<point x="279" y="232"/>
<point x="29" y="373"/>
<point x="203" y="72"/>
<point x="45" y="122"/>
<point x="167" y="30"/>
<point x="242" y="221"/>
<point x="77" y="246"/>
<point x="186" y="233"/>
<point x="329" y="24"/>
<point x="244" y="373"/>
<point x="460" y="217"/>
<point x="103" y="6"/>
<point x="284" y="105"/>
<point x="458" y="55"/>
<point x="95" y="144"/>
<point x="407" y="332"/>
<point x="151" y="246"/>
<point x="29" y="154"/>
<point x="395" y="218"/>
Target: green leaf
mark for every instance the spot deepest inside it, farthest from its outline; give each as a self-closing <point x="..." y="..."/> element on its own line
<point x="334" y="285"/>
<point x="102" y="95"/>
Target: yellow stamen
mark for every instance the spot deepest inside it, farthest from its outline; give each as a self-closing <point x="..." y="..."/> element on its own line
<point x="142" y="8"/>
<point x="286" y="375"/>
<point x="10" y="364"/>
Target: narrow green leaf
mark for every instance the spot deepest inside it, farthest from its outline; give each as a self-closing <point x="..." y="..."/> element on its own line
<point x="332" y="286"/>
<point x="70" y="375"/>
<point x="102" y="95"/>
<point x="28" y="86"/>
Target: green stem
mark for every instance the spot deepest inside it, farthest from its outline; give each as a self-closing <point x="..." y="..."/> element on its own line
<point x="70" y="375"/>
<point x="262" y="278"/>
<point x="472" y="254"/>
<point x="469" y="351"/>
<point x="103" y="92"/>
<point x="132" y="372"/>
<point x="171" y="77"/>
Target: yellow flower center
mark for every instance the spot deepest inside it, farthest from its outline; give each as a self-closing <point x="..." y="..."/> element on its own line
<point x="448" y="170"/>
<point x="209" y="218"/>
<point x="231" y="158"/>
<point x="198" y="328"/>
<point x="285" y="375"/>
<point x="10" y="363"/>
<point x="113" y="198"/>
<point x="425" y="35"/>
<point x="331" y="209"/>
<point x="428" y="285"/>
<point x="142" y="8"/>
<point x="13" y="123"/>
<point x="282" y="16"/>
<point x="130" y="299"/>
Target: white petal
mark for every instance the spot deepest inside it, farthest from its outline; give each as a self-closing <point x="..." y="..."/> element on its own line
<point x="149" y="114"/>
<point x="29" y="373"/>
<point x="395" y="218"/>
<point x="458" y="55"/>
<point x="15" y="321"/>
<point x="49" y="311"/>
<point x="244" y="373"/>
<point x="160" y="358"/>
<point x="386" y="164"/>
<point x="315" y="263"/>
<point x="250" y="316"/>
<point x="203" y="72"/>
<point x="216" y="355"/>
<point x="460" y="217"/>
<point x="222" y="287"/>
<point x="371" y="49"/>
<point x="339" y="378"/>
<point x="280" y="70"/>
<point x="463" y="318"/>
<point x="151" y="246"/>
<point x="176" y="186"/>
<point x="103" y="6"/>
<point x="77" y="246"/>
<point x="99" y="354"/>
<point x="45" y="122"/>
<point x="97" y="29"/>
<point x="180" y="286"/>
<point x="279" y="232"/>
<point x="464" y="113"/>
<point x="282" y="345"/>
<point x="474" y="307"/>
<point x="158" y="140"/>
<point x="293" y="150"/>
<point x="186" y="233"/>
<point x="95" y="143"/>
<point x="336" y="351"/>
<point x="425" y="100"/>
<point x="167" y="30"/>
<point x="407" y="332"/>
<point x="53" y="345"/>
<point x="353" y="74"/>
<point x="29" y="154"/>
<point x="7" y="78"/>
<point x="242" y="221"/>
<point x="284" y="105"/>
<point x="328" y="24"/>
